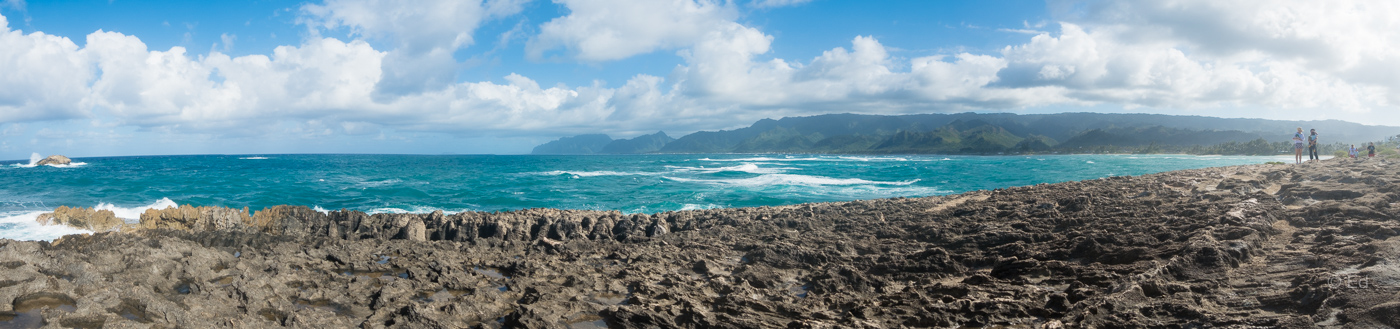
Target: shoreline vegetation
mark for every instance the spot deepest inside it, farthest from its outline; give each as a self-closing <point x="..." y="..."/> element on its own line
<point x="991" y="134"/>
<point x="1287" y="246"/>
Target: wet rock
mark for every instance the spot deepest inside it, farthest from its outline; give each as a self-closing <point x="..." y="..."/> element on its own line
<point x="83" y="218"/>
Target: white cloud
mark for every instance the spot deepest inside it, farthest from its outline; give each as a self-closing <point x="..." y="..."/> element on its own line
<point x="1131" y="55"/>
<point x="604" y="30"/>
<point x="45" y="76"/>
<point x="1113" y="59"/>
<point x="424" y="33"/>
<point x="226" y="41"/>
<point x="1345" y="47"/>
<point x="777" y="3"/>
<point x="417" y="28"/>
<point x="18" y="5"/>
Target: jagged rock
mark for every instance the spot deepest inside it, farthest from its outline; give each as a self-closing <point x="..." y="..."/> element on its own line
<point x="54" y="160"/>
<point x="416" y="230"/>
<point x="1120" y="252"/>
<point x="194" y="218"/>
<point x="83" y="218"/>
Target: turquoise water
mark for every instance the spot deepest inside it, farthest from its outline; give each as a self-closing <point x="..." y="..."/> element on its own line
<point x="454" y="183"/>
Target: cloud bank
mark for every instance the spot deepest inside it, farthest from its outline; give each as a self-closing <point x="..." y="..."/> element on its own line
<point x="1297" y="59"/>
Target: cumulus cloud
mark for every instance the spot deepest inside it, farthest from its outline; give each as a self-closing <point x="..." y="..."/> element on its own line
<point x="1291" y="54"/>
<point x="45" y="76"/>
<point x="603" y="30"/>
<point x="424" y="35"/>
<point x="1131" y="55"/>
<point x="1270" y="58"/>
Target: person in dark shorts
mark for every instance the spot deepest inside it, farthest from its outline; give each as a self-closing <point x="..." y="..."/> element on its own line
<point x="1298" y="146"/>
<point x="1312" y="145"/>
<point x="1371" y="150"/>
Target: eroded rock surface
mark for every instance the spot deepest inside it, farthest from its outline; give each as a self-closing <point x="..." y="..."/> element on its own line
<point x="54" y="160"/>
<point x="1252" y="246"/>
<point x="83" y="218"/>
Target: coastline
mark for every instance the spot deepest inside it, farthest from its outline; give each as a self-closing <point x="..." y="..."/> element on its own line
<point x="1263" y="245"/>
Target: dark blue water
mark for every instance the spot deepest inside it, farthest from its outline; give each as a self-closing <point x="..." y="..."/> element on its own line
<point x="454" y="183"/>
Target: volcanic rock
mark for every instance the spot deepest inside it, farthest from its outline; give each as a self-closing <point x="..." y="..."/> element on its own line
<point x="1247" y="246"/>
<point x="83" y="218"/>
<point x="54" y="160"/>
<point x="195" y="218"/>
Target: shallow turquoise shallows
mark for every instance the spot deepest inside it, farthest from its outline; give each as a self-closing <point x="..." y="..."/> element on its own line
<point x="454" y="183"/>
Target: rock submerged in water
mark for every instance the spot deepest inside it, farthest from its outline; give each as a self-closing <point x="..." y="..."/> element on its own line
<point x="55" y="160"/>
<point x="1215" y="247"/>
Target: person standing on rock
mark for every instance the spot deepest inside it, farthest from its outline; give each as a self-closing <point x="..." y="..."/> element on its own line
<point x="1352" y="152"/>
<point x="1312" y="145"/>
<point x="1298" y="146"/>
<point x="1371" y="150"/>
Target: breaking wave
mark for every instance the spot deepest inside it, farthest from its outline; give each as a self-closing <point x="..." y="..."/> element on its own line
<point x="789" y="179"/>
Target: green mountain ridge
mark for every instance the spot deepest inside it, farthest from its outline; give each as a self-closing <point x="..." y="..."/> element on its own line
<point x="987" y="133"/>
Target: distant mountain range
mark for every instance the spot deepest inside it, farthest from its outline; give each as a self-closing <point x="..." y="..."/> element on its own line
<point x="985" y="133"/>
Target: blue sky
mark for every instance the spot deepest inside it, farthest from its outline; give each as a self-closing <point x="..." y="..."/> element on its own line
<point x="430" y="77"/>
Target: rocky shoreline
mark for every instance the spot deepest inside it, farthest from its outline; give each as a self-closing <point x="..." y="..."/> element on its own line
<point x="1249" y="246"/>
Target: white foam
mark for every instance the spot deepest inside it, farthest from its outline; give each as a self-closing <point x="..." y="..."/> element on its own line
<point x="822" y="158"/>
<point x="771" y="159"/>
<point x="133" y="214"/>
<point x="378" y="183"/>
<point x="69" y="165"/>
<point x="36" y="157"/>
<point x="856" y="158"/>
<point x="789" y="179"/>
<point x="321" y="210"/>
<point x="21" y="226"/>
<point x="253" y="158"/>
<point x="689" y="206"/>
<point x="752" y="168"/>
<point x="411" y="210"/>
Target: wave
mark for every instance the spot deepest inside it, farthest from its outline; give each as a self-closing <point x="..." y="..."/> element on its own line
<point x="70" y="165"/>
<point x="690" y="206"/>
<point x="377" y="183"/>
<point x="752" y="168"/>
<point x="133" y="214"/>
<point x="789" y="179"/>
<point x="34" y="159"/>
<point x="758" y="159"/>
<point x="825" y="158"/>
<point x="396" y="210"/>
<point x="21" y="226"/>
<point x="410" y="210"/>
<point x="253" y="158"/>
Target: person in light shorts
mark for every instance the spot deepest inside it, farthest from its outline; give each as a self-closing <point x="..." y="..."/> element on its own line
<point x="1298" y="146"/>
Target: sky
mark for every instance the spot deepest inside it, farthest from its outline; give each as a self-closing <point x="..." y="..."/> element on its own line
<point x="118" y="77"/>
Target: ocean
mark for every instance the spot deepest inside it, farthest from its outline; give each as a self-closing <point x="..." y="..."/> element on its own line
<point x="454" y="183"/>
